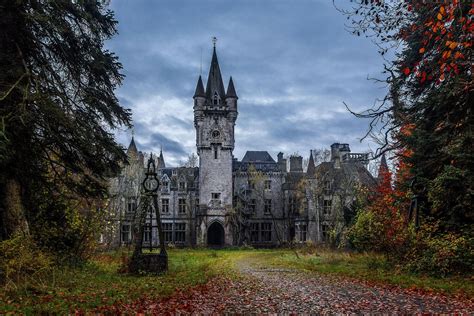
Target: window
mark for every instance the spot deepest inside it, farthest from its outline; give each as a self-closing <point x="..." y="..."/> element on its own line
<point x="215" y="153"/>
<point x="268" y="206"/>
<point x="324" y="231"/>
<point x="292" y="205"/>
<point x="253" y="205"/>
<point x="131" y="205"/>
<point x="167" y="231"/>
<point x="180" y="232"/>
<point x="182" y="206"/>
<point x="126" y="233"/>
<point x="268" y="184"/>
<point x="182" y="185"/>
<point x="164" y="186"/>
<point x="197" y="205"/>
<point x="147" y="233"/>
<point x="216" y="196"/>
<point x="254" y="232"/>
<point x="300" y="232"/>
<point x="215" y="100"/>
<point x="266" y="233"/>
<point x="327" y="207"/>
<point x="327" y="187"/>
<point x="165" y="205"/>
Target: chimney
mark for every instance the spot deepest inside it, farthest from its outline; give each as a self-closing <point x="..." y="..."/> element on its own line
<point x="281" y="162"/>
<point x="337" y="153"/>
<point x="296" y="164"/>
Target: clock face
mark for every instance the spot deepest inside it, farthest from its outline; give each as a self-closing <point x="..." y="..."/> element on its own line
<point x="215" y="134"/>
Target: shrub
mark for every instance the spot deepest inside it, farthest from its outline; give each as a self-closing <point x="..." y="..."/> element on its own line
<point x="440" y="253"/>
<point x="22" y="262"/>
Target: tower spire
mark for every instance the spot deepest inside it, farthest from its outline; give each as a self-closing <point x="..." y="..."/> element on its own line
<point x="311" y="166"/>
<point x="215" y="85"/>
<point x="231" y="90"/>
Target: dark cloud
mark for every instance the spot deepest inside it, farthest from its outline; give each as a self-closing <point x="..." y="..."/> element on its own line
<point x="293" y="65"/>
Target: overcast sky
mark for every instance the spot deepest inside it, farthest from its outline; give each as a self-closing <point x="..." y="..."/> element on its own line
<point x="292" y="62"/>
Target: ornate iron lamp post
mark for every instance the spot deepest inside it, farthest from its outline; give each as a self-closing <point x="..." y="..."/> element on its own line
<point x="149" y="262"/>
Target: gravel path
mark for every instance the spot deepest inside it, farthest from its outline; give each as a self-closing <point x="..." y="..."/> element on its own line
<point x="286" y="291"/>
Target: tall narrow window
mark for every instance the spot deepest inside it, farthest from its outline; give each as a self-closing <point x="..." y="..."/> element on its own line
<point x="266" y="232"/>
<point x="327" y="204"/>
<point x="268" y="206"/>
<point x="215" y="152"/>
<point x="126" y="233"/>
<point x="165" y="205"/>
<point x="268" y="184"/>
<point x="182" y="206"/>
<point x="167" y="231"/>
<point x="180" y="232"/>
<point x="216" y="99"/>
<point x="253" y="205"/>
<point x="254" y="232"/>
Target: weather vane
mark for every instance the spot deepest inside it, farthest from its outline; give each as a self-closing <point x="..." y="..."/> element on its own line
<point x="214" y="40"/>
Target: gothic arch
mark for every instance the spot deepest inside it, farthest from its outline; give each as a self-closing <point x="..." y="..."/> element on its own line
<point x="215" y="234"/>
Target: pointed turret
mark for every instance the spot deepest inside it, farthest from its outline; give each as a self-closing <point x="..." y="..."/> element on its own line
<point x="311" y="166"/>
<point x="132" y="148"/>
<point x="199" y="89"/>
<point x="161" y="160"/>
<point x="215" y="85"/>
<point x="231" y="90"/>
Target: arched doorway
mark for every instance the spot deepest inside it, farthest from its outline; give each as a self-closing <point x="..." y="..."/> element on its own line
<point x="215" y="235"/>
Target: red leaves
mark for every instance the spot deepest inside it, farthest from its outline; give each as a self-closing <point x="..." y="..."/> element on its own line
<point x="406" y="71"/>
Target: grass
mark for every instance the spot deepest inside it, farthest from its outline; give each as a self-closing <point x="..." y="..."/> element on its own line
<point x="98" y="283"/>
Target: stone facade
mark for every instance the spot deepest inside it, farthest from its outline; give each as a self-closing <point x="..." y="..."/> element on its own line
<point x="224" y="201"/>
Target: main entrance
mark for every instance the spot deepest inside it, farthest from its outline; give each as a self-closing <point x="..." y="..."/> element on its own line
<point x="215" y="235"/>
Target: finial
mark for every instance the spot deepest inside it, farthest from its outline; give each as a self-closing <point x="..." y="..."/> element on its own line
<point x="133" y="132"/>
<point x="214" y="41"/>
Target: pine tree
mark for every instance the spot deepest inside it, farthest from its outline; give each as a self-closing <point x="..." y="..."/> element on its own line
<point x="57" y="105"/>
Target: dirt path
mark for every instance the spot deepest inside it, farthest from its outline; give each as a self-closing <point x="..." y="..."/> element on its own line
<point x="269" y="290"/>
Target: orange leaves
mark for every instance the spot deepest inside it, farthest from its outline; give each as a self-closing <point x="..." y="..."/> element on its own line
<point x="422" y="50"/>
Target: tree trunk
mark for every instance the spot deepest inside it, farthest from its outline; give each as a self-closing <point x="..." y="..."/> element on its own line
<point x="13" y="215"/>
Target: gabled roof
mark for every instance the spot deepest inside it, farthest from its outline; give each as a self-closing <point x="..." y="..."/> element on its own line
<point x="257" y="156"/>
<point x="214" y="80"/>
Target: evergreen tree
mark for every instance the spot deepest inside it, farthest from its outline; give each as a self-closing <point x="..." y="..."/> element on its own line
<point x="57" y="105"/>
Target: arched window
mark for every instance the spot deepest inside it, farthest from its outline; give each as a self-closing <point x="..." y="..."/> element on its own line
<point x="215" y="100"/>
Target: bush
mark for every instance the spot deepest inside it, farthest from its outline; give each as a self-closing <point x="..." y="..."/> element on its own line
<point x="22" y="262"/>
<point x="367" y="232"/>
<point x="440" y="253"/>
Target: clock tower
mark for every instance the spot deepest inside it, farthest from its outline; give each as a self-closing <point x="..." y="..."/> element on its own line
<point x="215" y="113"/>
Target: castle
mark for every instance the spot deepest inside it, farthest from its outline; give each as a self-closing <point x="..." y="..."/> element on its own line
<point x="255" y="201"/>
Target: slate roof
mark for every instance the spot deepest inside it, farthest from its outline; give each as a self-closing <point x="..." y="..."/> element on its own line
<point x="347" y="170"/>
<point x="257" y="156"/>
<point x="132" y="148"/>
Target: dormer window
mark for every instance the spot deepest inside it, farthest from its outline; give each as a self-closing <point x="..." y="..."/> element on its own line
<point x="215" y="99"/>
